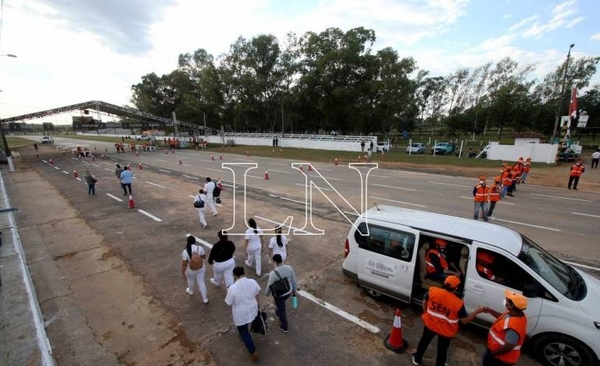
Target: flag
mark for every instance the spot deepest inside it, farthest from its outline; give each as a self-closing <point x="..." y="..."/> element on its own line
<point x="573" y="112"/>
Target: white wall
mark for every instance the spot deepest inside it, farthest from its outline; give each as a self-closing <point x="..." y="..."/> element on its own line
<point x="539" y="153"/>
<point x="339" y="143"/>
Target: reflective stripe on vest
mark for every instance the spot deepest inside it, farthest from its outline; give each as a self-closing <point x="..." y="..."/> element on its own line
<point x="482" y="193"/>
<point x="442" y="311"/>
<point x="430" y="267"/>
<point x="498" y="331"/>
<point x="440" y="316"/>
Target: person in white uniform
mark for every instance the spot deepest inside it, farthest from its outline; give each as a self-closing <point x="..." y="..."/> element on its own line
<point x="253" y="245"/>
<point x="278" y="244"/>
<point x="201" y="197"/>
<point x="209" y="187"/>
<point x="193" y="275"/>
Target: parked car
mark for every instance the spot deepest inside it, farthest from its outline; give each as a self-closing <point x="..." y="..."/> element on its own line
<point x="385" y="253"/>
<point x="443" y="148"/>
<point x="415" y="148"/>
<point x="47" y="140"/>
<point x="382" y="147"/>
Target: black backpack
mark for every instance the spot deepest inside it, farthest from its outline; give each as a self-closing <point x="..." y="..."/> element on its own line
<point x="216" y="191"/>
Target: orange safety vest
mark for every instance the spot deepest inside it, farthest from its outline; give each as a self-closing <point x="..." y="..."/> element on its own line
<point x="497" y="334"/>
<point x="517" y="168"/>
<point x="494" y="193"/>
<point x="526" y="167"/>
<point x="507" y="180"/>
<point x="482" y="193"/>
<point x="577" y="170"/>
<point x="441" y="315"/>
<point x="430" y="267"/>
<point x="486" y="272"/>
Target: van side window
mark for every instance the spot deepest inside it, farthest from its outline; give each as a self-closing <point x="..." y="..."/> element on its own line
<point x="386" y="241"/>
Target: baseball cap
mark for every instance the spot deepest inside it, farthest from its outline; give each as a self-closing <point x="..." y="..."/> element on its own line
<point x="482" y="177"/>
<point x="452" y="281"/>
<point x="485" y="257"/>
<point x="518" y="300"/>
<point x="440" y="242"/>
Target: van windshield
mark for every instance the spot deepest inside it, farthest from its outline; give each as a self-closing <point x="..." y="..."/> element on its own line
<point x="559" y="275"/>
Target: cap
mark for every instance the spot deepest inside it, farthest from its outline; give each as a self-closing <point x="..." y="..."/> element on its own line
<point x="482" y="177"/>
<point x="440" y="242"/>
<point x="518" y="300"/>
<point x="485" y="257"/>
<point x="528" y="159"/>
<point x="497" y="179"/>
<point x="452" y="281"/>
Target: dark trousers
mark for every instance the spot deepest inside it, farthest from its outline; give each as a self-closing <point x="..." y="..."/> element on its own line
<point x="280" y="311"/>
<point x="246" y="337"/>
<point x="489" y="360"/>
<point x="491" y="208"/>
<point x="125" y="187"/>
<point x="442" y="347"/>
<point x="573" y="181"/>
<point x="92" y="189"/>
<point x="595" y="163"/>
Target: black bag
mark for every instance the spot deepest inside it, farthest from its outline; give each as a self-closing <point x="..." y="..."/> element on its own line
<point x="216" y="191"/>
<point x="280" y="287"/>
<point x="198" y="203"/>
<point x="259" y="324"/>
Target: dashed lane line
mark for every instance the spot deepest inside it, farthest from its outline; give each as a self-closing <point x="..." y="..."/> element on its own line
<point x="530" y="225"/>
<point x="395" y="201"/>
<point x="164" y="171"/>
<point x="583" y="266"/>
<point x="501" y="202"/>
<point x="279" y="224"/>
<point x="114" y="197"/>
<point x="304" y="185"/>
<point x="150" y="215"/>
<point x="584" y="214"/>
<point x="559" y="197"/>
<point x="215" y="170"/>
<point x="203" y="242"/>
<point x="190" y="177"/>
<point x="66" y="172"/>
<point x="286" y="199"/>
<point x="156" y="185"/>
<point x="280" y="171"/>
<point x="393" y="187"/>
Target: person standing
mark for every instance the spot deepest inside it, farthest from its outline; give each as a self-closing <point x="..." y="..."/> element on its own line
<point x="253" y="245"/>
<point x="595" y="158"/>
<point x="507" y="334"/>
<point x="242" y="296"/>
<point x="576" y="171"/>
<point x="285" y="272"/>
<point x="118" y="172"/>
<point x="526" y="169"/>
<point x="221" y="258"/>
<point x="481" y="195"/>
<point x="201" y="197"/>
<point x="192" y="267"/>
<point x="91" y="182"/>
<point x="442" y="310"/>
<point x="362" y="145"/>
<point x="35" y="147"/>
<point x="278" y="244"/>
<point x="209" y="188"/>
<point x="494" y="197"/>
<point x="126" y="179"/>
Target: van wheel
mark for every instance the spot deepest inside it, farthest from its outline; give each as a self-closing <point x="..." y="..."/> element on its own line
<point x="561" y="350"/>
<point x="374" y="294"/>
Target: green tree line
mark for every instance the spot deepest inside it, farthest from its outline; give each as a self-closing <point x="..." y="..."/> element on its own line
<point x="335" y="81"/>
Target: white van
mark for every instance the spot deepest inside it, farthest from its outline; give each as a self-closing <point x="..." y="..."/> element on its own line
<point x="385" y="253"/>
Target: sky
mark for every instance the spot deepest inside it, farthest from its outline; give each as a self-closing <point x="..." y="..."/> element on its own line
<point x="71" y="51"/>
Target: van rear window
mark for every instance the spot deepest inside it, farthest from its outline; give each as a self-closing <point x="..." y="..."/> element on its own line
<point x="385" y="241"/>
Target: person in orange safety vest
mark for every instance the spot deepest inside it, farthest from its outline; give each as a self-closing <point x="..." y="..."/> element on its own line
<point x="576" y="171"/>
<point x="481" y="196"/>
<point x="437" y="264"/>
<point x="495" y="191"/>
<point x="442" y="311"/>
<point x="507" y="334"/>
<point x="483" y="263"/>
<point x="526" y="169"/>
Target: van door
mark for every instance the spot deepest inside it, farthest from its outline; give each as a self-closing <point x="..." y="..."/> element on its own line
<point x="486" y="282"/>
<point x="386" y="259"/>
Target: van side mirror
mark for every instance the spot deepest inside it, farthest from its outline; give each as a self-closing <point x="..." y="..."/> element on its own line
<point x="532" y="290"/>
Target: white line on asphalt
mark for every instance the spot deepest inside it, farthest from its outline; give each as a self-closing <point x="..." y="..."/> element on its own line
<point x="228" y="185"/>
<point x="78" y="178"/>
<point x="280" y="223"/>
<point x="164" y="161"/>
<point x="254" y="176"/>
<point x="110" y="170"/>
<point x="304" y="185"/>
<point x="203" y="242"/>
<point x="340" y="312"/>
<point x="44" y="160"/>
<point x="215" y="170"/>
<point x="401" y="202"/>
<point x="351" y="213"/>
<point x="157" y="185"/>
<point x="583" y="214"/>
<point x="291" y="199"/>
<point x="402" y="188"/>
<point x="57" y="168"/>
<point x="560" y="198"/>
<point x="449" y="184"/>
<point x="279" y="171"/>
<point x="378" y="176"/>
<point x="583" y="266"/>
<point x="164" y="170"/>
<point x="114" y="197"/>
<point x="319" y="169"/>
<point x="188" y="176"/>
<point x="150" y="215"/>
<point x="530" y="225"/>
<point x="66" y="172"/>
<point x="326" y="178"/>
<point x="96" y="165"/>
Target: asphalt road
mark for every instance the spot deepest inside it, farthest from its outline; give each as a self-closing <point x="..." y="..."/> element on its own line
<point x="324" y="330"/>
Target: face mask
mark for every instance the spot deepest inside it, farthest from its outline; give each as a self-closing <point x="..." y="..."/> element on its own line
<point x="505" y="303"/>
<point x="481" y="182"/>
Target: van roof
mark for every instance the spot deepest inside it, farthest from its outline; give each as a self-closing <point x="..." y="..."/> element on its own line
<point x="498" y="236"/>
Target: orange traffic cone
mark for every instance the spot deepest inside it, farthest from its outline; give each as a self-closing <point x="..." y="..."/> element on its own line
<point x="335" y="162"/>
<point x="75" y="173"/>
<point x="220" y="156"/>
<point x="103" y="157"/>
<point x="212" y="157"/>
<point x="359" y="159"/>
<point x="266" y="174"/>
<point x="131" y="203"/>
<point x="301" y="168"/>
<point x="51" y="162"/>
<point x="310" y="167"/>
<point x="136" y="153"/>
<point x="140" y="166"/>
<point x="219" y="184"/>
<point x="180" y="162"/>
<point x="172" y="151"/>
<point x="394" y="341"/>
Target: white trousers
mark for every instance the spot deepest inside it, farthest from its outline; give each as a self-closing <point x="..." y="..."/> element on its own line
<point x="210" y="201"/>
<point x="201" y="216"/>
<point x="254" y="255"/>
<point x="197" y="276"/>
<point x="223" y="270"/>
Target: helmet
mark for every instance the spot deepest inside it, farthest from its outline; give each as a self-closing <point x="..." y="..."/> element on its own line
<point x="485" y="257"/>
<point x="518" y="300"/>
<point x="440" y="242"/>
<point x="452" y="282"/>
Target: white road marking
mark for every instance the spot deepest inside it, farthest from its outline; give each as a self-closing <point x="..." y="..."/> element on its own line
<point x="188" y="176"/>
<point x="450" y="184"/>
<point x="394" y="201"/>
<point x="583" y="214"/>
<point x="291" y="199"/>
<point x="502" y="202"/>
<point x="78" y="178"/>
<point x="57" y="168"/>
<point x="319" y="169"/>
<point x="164" y="171"/>
<point x="203" y="242"/>
<point x="560" y="198"/>
<point x="280" y="171"/>
<point x="326" y="178"/>
<point x="150" y="215"/>
<point x="279" y="223"/>
<point x="157" y="185"/>
<point x="254" y="176"/>
<point x="402" y="188"/>
<point x="378" y="176"/>
<point x="530" y="225"/>
<point x="340" y="312"/>
<point x="164" y="161"/>
<point x="110" y="170"/>
<point x="583" y="266"/>
<point x="229" y="185"/>
<point x="304" y="185"/>
<point x="215" y="170"/>
<point x="66" y="172"/>
<point x="351" y="213"/>
<point x="114" y="197"/>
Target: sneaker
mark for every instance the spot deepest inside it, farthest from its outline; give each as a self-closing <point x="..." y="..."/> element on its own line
<point x="212" y="280"/>
<point x="575" y="189"/>
<point x="254" y="356"/>
<point x="205" y="301"/>
<point x="414" y="359"/>
<point x="492" y="217"/>
<point x="204" y="226"/>
<point x="283" y="330"/>
<point x="187" y="289"/>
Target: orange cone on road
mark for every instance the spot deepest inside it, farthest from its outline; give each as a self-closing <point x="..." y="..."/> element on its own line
<point x="220" y="156"/>
<point x="180" y="162"/>
<point x="51" y="162"/>
<point x="136" y="153"/>
<point x="301" y="168"/>
<point x="131" y="203"/>
<point x="266" y="174"/>
<point x="75" y="173"/>
<point x="140" y="166"/>
<point x="310" y="168"/>
<point x="394" y="341"/>
<point x="212" y="157"/>
<point x="359" y="159"/>
<point x="172" y="151"/>
<point x="335" y="162"/>
<point x="103" y="157"/>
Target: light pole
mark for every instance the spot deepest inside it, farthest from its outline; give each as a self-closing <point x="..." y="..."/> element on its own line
<point x="562" y="93"/>
<point x="11" y="166"/>
<point x="204" y="115"/>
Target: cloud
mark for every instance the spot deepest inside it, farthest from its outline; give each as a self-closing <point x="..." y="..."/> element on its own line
<point x="561" y="17"/>
<point x="522" y="23"/>
<point x="595" y="37"/>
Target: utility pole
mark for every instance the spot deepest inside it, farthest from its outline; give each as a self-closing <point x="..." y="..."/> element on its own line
<point x="562" y="94"/>
<point x="175" y="124"/>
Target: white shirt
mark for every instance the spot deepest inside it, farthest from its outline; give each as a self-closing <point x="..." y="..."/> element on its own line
<point x="242" y="298"/>
<point x="209" y="187"/>
<point x="596" y="155"/>
<point x="195" y="249"/>
<point x="282" y="251"/>
<point x="253" y="239"/>
<point x="201" y="197"/>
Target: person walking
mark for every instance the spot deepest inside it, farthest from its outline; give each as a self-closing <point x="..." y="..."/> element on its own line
<point x="192" y="267"/>
<point x="481" y="195"/>
<point x="221" y="258"/>
<point x="278" y="244"/>
<point x="595" y="158"/>
<point x="507" y="334"/>
<point x="91" y="182"/>
<point x="442" y="310"/>
<point x="118" y="172"/>
<point x="35" y="147"/>
<point x="201" y="197"/>
<point x="576" y="171"/>
<point x="209" y="188"/>
<point x="286" y="273"/>
<point x="526" y="169"/>
<point x="126" y="179"/>
<point x="494" y="197"/>
<point x="242" y="296"/>
<point x="253" y="245"/>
